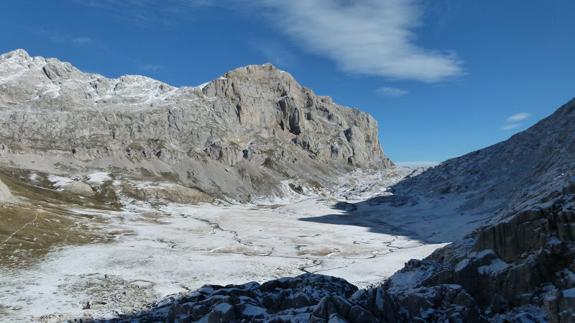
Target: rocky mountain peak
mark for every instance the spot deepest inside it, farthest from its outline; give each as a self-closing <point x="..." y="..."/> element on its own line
<point x="264" y="72"/>
<point x="238" y="135"/>
<point x="252" y="80"/>
<point x="17" y="54"/>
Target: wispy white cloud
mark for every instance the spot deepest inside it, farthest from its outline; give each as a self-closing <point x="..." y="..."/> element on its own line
<point x="391" y="91"/>
<point x="514" y="121"/>
<point x="61" y="37"/>
<point x="82" y="40"/>
<point x="370" y="37"/>
<point x="518" y="117"/>
<point x="152" y="68"/>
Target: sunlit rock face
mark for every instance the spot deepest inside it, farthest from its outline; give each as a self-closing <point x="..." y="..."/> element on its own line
<point x="237" y="136"/>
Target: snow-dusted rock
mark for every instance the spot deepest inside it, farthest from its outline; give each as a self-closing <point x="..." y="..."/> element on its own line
<point x="292" y="299"/>
<point x="152" y="192"/>
<point x="313" y="298"/>
<point x="237" y="136"/>
<point x="79" y="188"/>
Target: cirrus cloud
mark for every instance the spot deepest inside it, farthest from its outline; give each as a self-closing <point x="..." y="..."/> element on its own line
<point x="391" y="91"/>
<point x="514" y="121"/>
<point x="518" y="117"/>
<point x="370" y="37"/>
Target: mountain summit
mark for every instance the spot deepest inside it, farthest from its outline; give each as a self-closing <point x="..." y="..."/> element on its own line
<point x="238" y="136"/>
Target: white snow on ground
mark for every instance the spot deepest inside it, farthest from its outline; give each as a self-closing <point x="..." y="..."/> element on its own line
<point x="59" y="182"/>
<point x="99" y="178"/>
<point x="176" y="248"/>
<point x="202" y="86"/>
<point x="33" y="177"/>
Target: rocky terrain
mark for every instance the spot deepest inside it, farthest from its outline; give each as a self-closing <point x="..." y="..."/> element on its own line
<point x="120" y="198"/>
<point x="519" y="266"/>
<point x="57" y="260"/>
<point x="121" y="170"/>
<point x="236" y="137"/>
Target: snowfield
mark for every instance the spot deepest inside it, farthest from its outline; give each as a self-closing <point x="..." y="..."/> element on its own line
<point x="176" y="248"/>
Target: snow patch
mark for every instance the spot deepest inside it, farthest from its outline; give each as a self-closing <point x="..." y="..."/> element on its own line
<point x="202" y="86"/>
<point x="33" y="177"/>
<point x="99" y="178"/>
<point x="59" y="182"/>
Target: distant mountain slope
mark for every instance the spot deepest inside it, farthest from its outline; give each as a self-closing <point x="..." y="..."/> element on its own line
<point x="237" y="136"/>
<point x="510" y="176"/>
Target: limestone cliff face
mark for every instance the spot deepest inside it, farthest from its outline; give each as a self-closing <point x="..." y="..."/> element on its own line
<point x="239" y="135"/>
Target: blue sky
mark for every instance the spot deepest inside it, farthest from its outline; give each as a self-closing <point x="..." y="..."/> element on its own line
<point x="442" y="77"/>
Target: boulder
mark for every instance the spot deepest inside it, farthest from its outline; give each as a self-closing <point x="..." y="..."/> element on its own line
<point x="79" y="188"/>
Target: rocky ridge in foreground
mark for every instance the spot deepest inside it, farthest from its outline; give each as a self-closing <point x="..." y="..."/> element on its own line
<point x="238" y="136"/>
<point x="520" y="267"/>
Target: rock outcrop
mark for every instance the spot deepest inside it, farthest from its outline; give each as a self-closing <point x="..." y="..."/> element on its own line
<point x="312" y="298"/>
<point x="238" y="136"/>
<point x="283" y="299"/>
<point x="523" y="267"/>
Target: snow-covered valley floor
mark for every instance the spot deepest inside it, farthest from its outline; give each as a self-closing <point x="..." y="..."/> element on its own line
<point x="175" y="248"/>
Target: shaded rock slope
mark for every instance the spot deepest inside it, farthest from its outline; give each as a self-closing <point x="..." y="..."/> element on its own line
<point x="504" y="179"/>
<point x="238" y="136"/>
<point x="518" y="267"/>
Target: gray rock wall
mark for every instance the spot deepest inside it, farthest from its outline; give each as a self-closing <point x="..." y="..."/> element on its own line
<point x="238" y="136"/>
